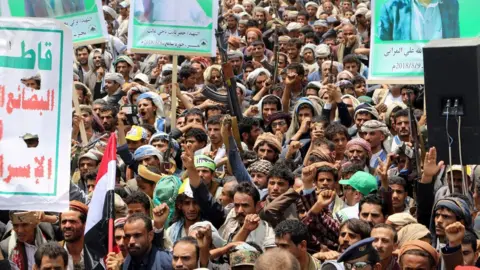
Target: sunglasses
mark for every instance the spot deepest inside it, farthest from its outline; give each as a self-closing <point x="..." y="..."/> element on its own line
<point x="357" y="265"/>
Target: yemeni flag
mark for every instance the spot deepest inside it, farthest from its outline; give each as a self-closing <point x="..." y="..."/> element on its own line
<point x="99" y="228"/>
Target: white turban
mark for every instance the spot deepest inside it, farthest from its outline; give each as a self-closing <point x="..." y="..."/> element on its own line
<point x="116" y="77"/>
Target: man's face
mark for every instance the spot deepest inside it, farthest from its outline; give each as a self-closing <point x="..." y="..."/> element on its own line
<point x="457" y="181"/>
<point x="352" y="67"/>
<point x="268" y="110"/>
<point x="145" y="186"/>
<point x="225" y="198"/>
<point x="260" y="17"/>
<point x="190" y="81"/>
<point x="137" y="239"/>
<point x="279" y="125"/>
<point x="301" y="19"/>
<point x="198" y="69"/>
<point x="326" y="181"/>
<point x="231" y="23"/>
<point x="136" y="208"/>
<point x="123" y="68"/>
<point x="146" y="110"/>
<point x="328" y="7"/>
<point x="406" y="94"/>
<point x="242" y="28"/>
<point x="236" y="64"/>
<point x="96" y="108"/>
<point x="346" y="238"/>
<point x="372" y="213"/>
<point x="318" y="29"/>
<point x="360" y="263"/>
<point x="374" y="138"/>
<point x="352" y="196"/>
<point x="32" y="84"/>
<point x="194" y="118"/>
<point x="357" y="155"/>
<point x="410" y="261"/>
<point x="360" y="89"/>
<point x="469" y="256"/>
<point x="258" y="51"/>
<point x="205" y="174"/>
<point x="190" y="209"/>
<point x="276" y="187"/>
<point x="184" y="256"/>
<point x="292" y="51"/>
<point x="216" y="78"/>
<point x="346" y="5"/>
<point x="254" y="133"/>
<point x="383" y="242"/>
<point x="443" y="218"/>
<point x="111" y="86"/>
<point x="398" y="196"/>
<point x="304" y="113"/>
<point x="402" y="125"/>
<point x="194" y="144"/>
<point x="361" y="118"/>
<point x="25" y="231"/>
<point x="259" y="81"/>
<point x="48" y="263"/>
<point x="214" y="133"/>
<point x="108" y="121"/>
<point x="266" y="152"/>
<point x="251" y="37"/>
<point x="87" y="119"/>
<point x="134" y="145"/>
<point x="119" y="240"/>
<point x="71" y="226"/>
<point x="340" y="141"/>
<point x="82" y="57"/>
<point x="243" y="205"/>
<point x="97" y="59"/>
<point x="312" y="11"/>
<point x="285" y="242"/>
<point x="91" y="185"/>
<point x="259" y="179"/>
<point x="86" y="165"/>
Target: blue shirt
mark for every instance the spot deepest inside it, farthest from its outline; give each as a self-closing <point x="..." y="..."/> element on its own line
<point x="426" y="21"/>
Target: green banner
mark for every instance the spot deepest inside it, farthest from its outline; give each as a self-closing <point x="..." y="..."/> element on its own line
<point x="401" y="28"/>
<point x="178" y="27"/>
<point x="84" y="17"/>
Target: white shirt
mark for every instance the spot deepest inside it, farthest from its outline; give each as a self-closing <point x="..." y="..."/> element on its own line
<point x="30" y="252"/>
<point x="389" y="99"/>
<point x="426" y="21"/>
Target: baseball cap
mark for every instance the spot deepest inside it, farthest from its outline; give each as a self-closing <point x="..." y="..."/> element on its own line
<point x="361" y="11"/>
<point x="458" y="168"/>
<point x="136" y="133"/>
<point x="141" y="77"/>
<point x="363" y="182"/>
<point x="202" y="161"/>
<point x="124" y="4"/>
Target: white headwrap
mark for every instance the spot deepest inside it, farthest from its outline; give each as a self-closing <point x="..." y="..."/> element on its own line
<point x="254" y="74"/>
<point x="207" y="74"/>
<point x="116" y="77"/>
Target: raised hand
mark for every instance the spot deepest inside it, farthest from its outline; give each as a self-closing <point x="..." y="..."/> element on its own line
<point x="430" y="166"/>
<point x="455" y="233"/>
<point x="187" y="157"/>
<point x="251" y="222"/>
<point x="160" y="215"/>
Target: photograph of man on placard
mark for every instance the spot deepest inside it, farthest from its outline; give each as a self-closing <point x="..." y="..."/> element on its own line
<point x="419" y="20"/>
<point x="178" y="12"/>
<point x="52" y="8"/>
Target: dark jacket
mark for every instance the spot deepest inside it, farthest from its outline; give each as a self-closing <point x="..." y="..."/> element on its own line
<point x="157" y="259"/>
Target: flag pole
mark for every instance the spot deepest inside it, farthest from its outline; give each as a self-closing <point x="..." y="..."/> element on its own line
<point x="111" y="213"/>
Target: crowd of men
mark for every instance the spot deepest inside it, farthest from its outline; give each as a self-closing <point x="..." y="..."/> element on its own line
<point x="319" y="173"/>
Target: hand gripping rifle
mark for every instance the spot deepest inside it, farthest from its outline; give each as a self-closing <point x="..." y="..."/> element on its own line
<point x="229" y="79"/>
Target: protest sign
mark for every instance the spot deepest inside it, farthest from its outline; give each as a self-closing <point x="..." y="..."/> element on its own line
<point x="400" y="30"/>
<point x="179" y="27"/>
<point x="85" y="17"/>
<point x="35" y="114"/>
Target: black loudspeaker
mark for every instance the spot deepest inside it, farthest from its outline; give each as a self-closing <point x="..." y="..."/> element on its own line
<point x="452" y="85"/>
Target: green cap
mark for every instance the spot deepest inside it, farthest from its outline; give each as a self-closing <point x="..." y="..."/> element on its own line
<point x="361" y="181"/>
<point x="202" y="161"/>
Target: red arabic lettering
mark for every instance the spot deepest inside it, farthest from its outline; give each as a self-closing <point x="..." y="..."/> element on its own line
<point x="1" y="165"/>
<point x="34" y="103"/>
<point x="17" y="172"/>
<point x="2" y="95"/>
<point x="1" y="129"/>
<point x="39" y="169"/>
<point x="49" y="168"/>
